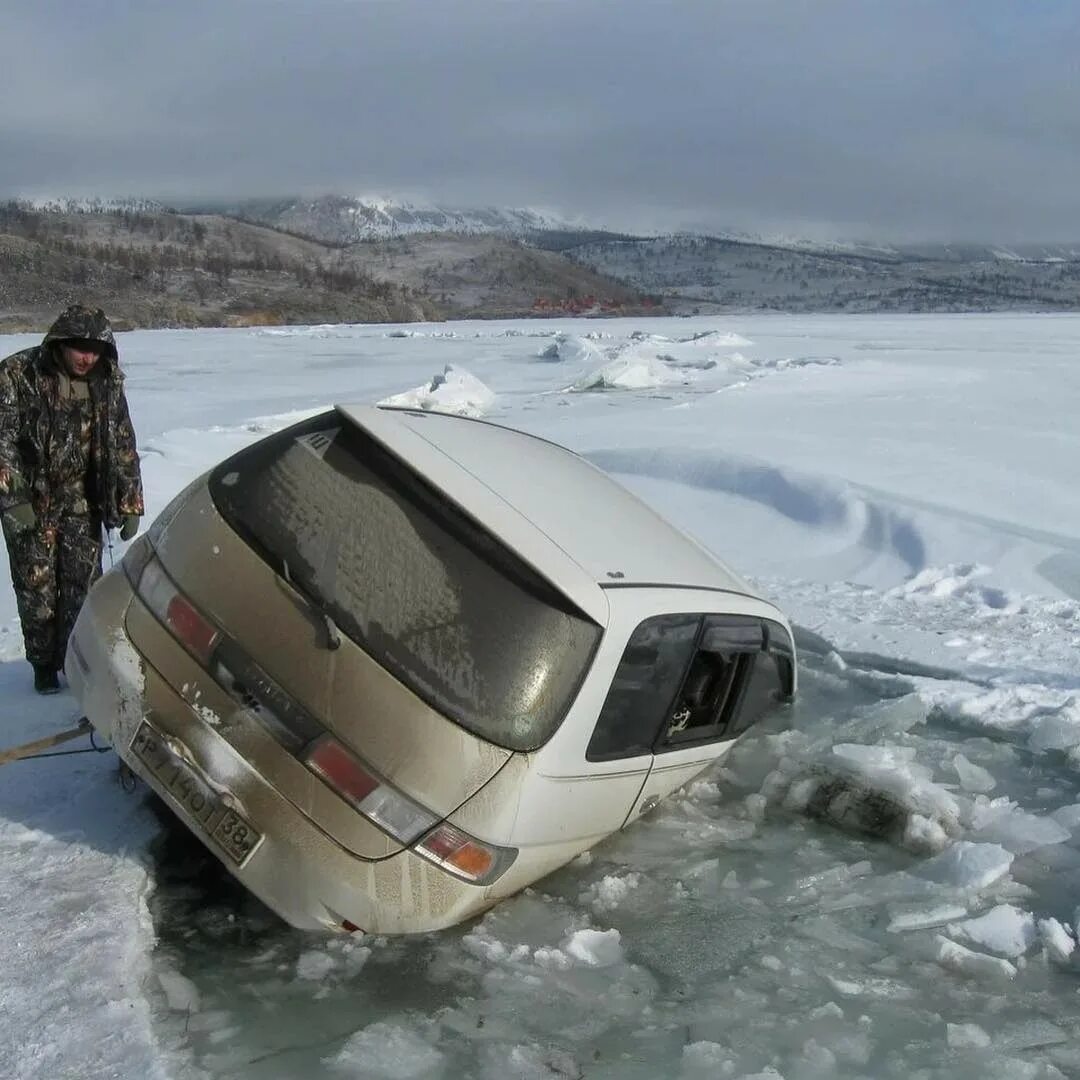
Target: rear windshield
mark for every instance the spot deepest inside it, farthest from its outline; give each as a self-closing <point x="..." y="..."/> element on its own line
<point x="435" y="599"/>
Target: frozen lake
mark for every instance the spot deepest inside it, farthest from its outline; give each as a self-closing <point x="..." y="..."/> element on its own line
<point x="882" y="883"/>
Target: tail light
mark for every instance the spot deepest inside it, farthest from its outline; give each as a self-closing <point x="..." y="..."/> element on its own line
<point x="176" y="613"/>
<point x="464" y="855"/>
<point x="445" y="845"/>
<point x="381" y="804"/>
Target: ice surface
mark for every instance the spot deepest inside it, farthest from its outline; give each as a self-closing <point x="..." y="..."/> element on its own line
<point x="745" y="927"/>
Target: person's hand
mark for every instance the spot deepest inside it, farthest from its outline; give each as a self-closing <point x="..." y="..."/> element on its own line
<point x="130" y="526"/>
<point x="21" y="517"/>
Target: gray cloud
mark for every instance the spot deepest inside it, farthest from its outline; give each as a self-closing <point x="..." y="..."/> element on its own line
<point x="890" y="118"/>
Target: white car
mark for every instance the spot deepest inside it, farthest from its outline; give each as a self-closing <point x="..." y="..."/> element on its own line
<point x="393" y="666"/>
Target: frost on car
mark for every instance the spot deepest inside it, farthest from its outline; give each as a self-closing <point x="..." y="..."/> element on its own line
<point x="392" y="666"/>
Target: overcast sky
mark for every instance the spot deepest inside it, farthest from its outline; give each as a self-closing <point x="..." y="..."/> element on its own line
<point x="917" y="119"/>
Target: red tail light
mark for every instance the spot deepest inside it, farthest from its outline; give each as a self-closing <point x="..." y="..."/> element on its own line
<point x="380" y="803"/>
<point x="179" y="616"/>
<point x="190" y="628"/>
<point x="341" y="770"/>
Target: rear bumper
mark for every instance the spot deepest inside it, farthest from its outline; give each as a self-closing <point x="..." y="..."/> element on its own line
<point x="297" y="869"/>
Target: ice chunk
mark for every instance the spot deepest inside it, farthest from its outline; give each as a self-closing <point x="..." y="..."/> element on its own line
<point x="180" y="992"/>
<point x="571" y="348"/>
<point x="1068" y="817"/>
<point x="630" y="372"/>
<point x="1056" y="731"/>
<point x="966" y="962"/>
<point x="531" y="1063"/>
<point x="1004" y="930"/>
<point x="714" y="338"/>
<point x="920" y="916"/>
<point x="608" y="893"/>
<point x="1017" y="830"/>
<point x="872" y="987"/>
<point x="707" y="1060"/>
<point x="387" y="1051"/>
<point x="875" y="757"/>
<point x="924" y="834"/>
<point x="973" y="777"/>
<point x="963" y="1036"/>
<point x="968" y="866"/>
<point x="455" y="391"/>
<point x="314" y="965"/>
<point x="595" y="948"/>
<point x="1057" y="940"/>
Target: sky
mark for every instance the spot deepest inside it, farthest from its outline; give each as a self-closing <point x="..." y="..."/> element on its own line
<point x="889" y="119"/>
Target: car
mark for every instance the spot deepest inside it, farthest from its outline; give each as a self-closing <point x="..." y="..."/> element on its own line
<point x="393" y="666"/>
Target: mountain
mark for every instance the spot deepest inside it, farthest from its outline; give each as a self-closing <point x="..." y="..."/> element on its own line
<point x="345" y="259"/>
<point x="708" y="274"/>
<point x="160" y="267"/>
<point x="342" y="219"/>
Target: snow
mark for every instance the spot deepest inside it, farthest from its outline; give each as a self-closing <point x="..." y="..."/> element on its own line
<point x="881" y="883"/>
<point x="453" y="391"/>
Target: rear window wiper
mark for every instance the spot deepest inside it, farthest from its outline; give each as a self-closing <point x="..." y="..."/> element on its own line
<point x="317" y="607"/>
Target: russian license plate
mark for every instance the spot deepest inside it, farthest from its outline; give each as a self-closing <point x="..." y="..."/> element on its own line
<point x="230" y="831"/>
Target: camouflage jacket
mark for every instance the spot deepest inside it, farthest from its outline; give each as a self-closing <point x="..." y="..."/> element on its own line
<point x="33" y="434"/>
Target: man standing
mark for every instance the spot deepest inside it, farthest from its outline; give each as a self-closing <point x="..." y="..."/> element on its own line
<point x="68" y="468"/>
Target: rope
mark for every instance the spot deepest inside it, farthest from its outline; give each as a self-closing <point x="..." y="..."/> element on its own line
<point x="93" y="748"/>
<point x="36" y="748"/>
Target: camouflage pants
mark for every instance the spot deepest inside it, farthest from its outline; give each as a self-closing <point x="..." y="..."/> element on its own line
<point x="53" y="566"/>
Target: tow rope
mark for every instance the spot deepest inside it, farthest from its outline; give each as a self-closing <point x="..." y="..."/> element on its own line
<point x="39" y="747"/>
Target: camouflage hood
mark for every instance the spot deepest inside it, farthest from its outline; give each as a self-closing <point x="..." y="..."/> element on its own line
<point x="84" y="324"/>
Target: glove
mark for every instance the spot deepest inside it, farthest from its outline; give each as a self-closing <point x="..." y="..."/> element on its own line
<point x="20" y="517"/>
<point x="130" y="526"/>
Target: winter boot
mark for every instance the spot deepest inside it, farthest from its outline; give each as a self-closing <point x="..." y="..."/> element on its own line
<point x="45" y="680"/>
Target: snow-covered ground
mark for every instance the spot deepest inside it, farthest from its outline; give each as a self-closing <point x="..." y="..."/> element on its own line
<point x="884" y="883"/>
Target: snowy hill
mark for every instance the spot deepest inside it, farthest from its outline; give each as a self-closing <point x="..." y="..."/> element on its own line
<point x="342" y="219"/>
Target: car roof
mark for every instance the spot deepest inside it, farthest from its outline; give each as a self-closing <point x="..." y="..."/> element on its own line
<point x="570" y="520"/>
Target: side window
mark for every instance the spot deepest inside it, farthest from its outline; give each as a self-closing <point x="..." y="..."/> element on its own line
<point x="710" y="696"/>
<point x="771" y="681"/>
<point x="648" y="677"/>
<point x="687" y="679"/>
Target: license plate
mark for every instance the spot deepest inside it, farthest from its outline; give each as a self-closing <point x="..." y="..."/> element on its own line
<point x="230" y="831"/>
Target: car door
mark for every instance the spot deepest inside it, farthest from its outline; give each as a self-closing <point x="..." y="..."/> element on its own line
<point x="687" y="686"/>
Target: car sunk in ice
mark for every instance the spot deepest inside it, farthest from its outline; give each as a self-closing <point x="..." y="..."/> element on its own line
<point x="393" y="666"/>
